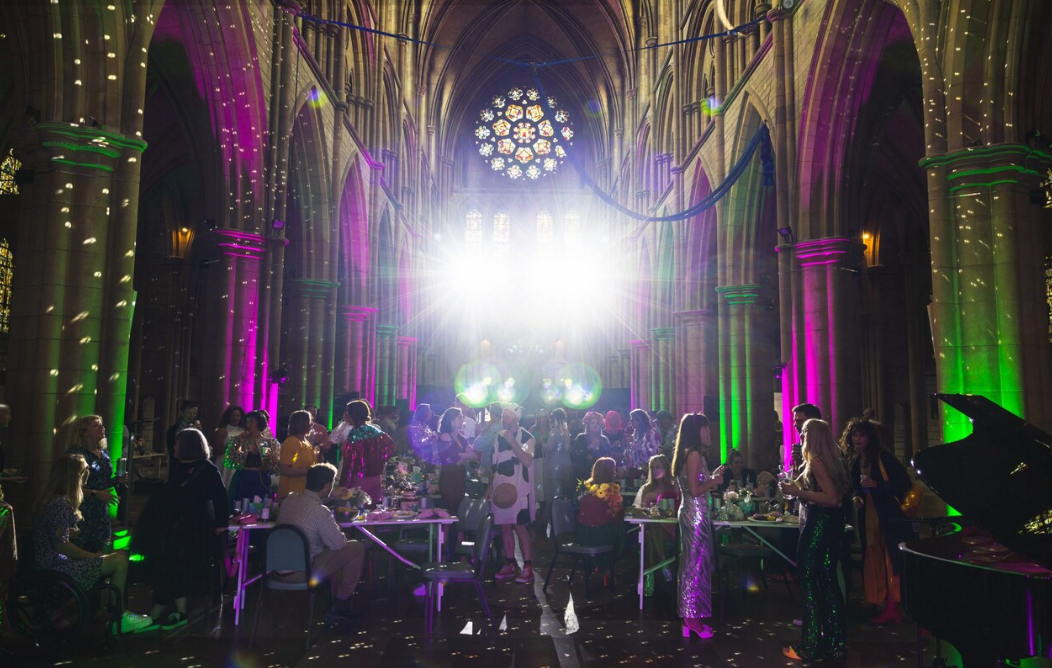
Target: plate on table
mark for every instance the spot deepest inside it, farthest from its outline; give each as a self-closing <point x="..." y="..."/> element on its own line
<point x="403" y="515"/>
<point x="766" y="520"/>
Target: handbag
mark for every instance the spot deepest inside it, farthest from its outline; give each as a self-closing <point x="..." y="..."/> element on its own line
<point x="911" y="502"/>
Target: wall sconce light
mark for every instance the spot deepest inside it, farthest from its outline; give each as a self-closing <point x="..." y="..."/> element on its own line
<point x="278" y="224"/>
<point x="787" y="234"/>
<point x="182" y="239"/>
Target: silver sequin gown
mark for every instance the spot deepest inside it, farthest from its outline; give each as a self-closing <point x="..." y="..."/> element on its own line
<point x="695" y="553"/>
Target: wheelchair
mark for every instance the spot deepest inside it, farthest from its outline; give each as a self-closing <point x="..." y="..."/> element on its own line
<point x="47" y="611"/>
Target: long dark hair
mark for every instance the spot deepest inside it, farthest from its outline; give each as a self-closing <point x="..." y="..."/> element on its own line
<point x="873" y="446"/>
<point x="445" y="425"/>
<point x="225" y="419"/>
<point x="688" y="439"/>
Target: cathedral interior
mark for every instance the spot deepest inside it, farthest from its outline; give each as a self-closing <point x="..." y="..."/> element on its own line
<point x="720" y="206"/>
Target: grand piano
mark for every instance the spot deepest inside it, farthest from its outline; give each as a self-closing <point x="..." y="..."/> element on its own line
<point x="987" y="587"/>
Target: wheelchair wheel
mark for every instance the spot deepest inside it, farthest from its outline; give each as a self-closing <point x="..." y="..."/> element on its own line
<point x="48" y="610"/>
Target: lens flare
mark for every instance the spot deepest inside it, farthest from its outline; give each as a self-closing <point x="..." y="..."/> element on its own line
<point x="479" y="382"/>
<point x="581" y="385"/>
<point x="316" y="98"/>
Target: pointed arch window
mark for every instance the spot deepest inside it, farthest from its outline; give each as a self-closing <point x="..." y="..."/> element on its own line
<point x="8" y="168"/>
<point x="7" y="270"/>
<point x="544" y="230"/>
<point x="473" y="232"/>
<point x="501" y="234"/>
<point x="573" y="230"/>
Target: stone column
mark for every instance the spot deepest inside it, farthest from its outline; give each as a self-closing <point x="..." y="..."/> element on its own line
<point x="309" y="346"/>
<point x="640" y="373"/>
<point x="663" y="395"/>
<point x="230" y="360"/>
<point x="73" y="299"/>
<point x="355" y="338"/>
<point x="697" y="362"/>
<point x="829" y="317"/>
<point x="989" y="315"/>
<point x="740" y="380"/>
<point x="386" y="365"/>
<point x="407" y="369"/>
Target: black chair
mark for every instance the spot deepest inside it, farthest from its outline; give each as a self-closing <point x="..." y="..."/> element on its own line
<point x="287" y="549"/>
<point x="436" y="573"/>
<point x="469" y="516"/>
<point x="564" y="520"/>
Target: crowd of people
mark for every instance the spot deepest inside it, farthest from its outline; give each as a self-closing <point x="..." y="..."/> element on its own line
<point x="524" y="462"/>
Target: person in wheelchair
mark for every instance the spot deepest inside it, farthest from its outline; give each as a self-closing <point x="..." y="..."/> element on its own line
<point x="57" y="519"/>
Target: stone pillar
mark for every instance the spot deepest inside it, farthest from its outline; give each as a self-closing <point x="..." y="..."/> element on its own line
<point x="229" y="363"/>
<point x="640" y="373"/>
<point x="309" y="346"/>
<point x="407" y="369"/>
<point x="73" y="299"/>
<point x="386" y="361"/>
<point x="268" y="344"/>
<point x="829" y="316"/>
<point x="989" y="316"/>
<point x="355" y="347"/>
<point x="697" y="362"/>
<point x="743" y="381"/>
<point x="663" y="394"/>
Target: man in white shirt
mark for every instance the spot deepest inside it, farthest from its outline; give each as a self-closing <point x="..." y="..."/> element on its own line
<point x="333" y="557"/>
<point x="468" y="430"/>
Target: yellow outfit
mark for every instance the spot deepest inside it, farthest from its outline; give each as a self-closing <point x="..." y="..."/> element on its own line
<point x="297" y="453"/>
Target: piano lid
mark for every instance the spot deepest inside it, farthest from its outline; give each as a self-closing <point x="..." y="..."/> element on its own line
<point x="999" y="478"/>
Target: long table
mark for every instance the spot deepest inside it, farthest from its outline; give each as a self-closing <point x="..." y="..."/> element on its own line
<point x="748" y="526"/>
<point x="366" y="527"/>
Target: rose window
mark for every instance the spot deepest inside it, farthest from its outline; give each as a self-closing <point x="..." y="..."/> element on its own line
<point x="520" y="136"/>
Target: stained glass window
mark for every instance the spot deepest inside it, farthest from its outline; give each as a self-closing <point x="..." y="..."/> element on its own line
<point x="7" y="267"/>
<point x="573" y="230"/>
<point x="473" y="234"/>
<point x="1048" y="293"/>
<point x="501" y="234"/>
<point x="518" y="135"/>
<point x="8" y="167"/>
<point x="544" y="229"/>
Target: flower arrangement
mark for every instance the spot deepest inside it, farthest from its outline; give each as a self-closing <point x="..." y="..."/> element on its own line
<point x="609" y="492"/>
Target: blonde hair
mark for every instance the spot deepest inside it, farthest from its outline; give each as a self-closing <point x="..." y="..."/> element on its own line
<point x="68" y="475"/>
<point x="78" y="435"/>
<point x="666" y="482"/>
<point x="818" y="443"/>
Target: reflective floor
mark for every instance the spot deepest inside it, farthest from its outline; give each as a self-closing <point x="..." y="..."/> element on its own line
<point x="529" y="628"/>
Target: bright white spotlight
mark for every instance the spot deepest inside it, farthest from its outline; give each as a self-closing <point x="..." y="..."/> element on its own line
<point x="505" y="394"/>
<point x="476" y="394"/>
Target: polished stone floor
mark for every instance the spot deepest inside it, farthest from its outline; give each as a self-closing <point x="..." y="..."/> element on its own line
<point x="530" y="628"/>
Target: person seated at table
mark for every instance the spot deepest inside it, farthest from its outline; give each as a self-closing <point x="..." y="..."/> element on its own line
<point x="176" y="533"/>
<point x="333" y="557"/>
<point x="57" y="518"/>
<point x="600" y="515"/>
<point x="738" y="477"/>
<point x="660" y="486"/>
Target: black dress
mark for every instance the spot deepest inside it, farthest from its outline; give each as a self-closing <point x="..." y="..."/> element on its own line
<point x="176" y="533"/>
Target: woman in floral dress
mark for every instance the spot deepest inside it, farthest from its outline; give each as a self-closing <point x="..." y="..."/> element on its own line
<point x="254" y="457"/>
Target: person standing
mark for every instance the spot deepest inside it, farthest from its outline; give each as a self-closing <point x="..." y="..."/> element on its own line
<point x="297" y="455"/>
<point x="510" y="493"/>
<point x="365" y="451"/>
<point x="880" y="484"/>
<point x="253" y="456"/>
<point x="453" y="452"/>
<point x="88" y="440"/>
<point x="802" y="414"/>
<point x="589" y="446"/>
<point x="470" y="425"/>
<point x="187" y="419"/>
<point x="695" y="524"/>
<point x="644" y="444"/>
<point x="486" y="439"/>
<point x="822" y="488"/>
<point x="666" y="425"/>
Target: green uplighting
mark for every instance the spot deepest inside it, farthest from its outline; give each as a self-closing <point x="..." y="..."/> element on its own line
<point x="136" y="557"/>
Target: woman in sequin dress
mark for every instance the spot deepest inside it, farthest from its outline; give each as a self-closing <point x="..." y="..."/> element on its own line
<point x="253" y="456"/>
<point x="695" y="524"/>
<point x="822" y="490"/>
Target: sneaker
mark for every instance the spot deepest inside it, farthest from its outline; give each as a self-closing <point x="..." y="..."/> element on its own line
<point x="131" y="622"/>
<point x="508" y="572"/>
<point x="154" y="625"/>
<point x="526" y="576"/>
<point x="174" y="621"/>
